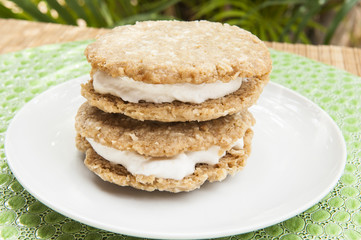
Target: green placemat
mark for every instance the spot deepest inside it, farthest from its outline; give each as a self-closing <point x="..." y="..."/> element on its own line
<point x="25" y="74"/>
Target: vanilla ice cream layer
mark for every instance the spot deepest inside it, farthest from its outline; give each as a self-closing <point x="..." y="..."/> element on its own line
<point x="134" y="91"/>
<point x="176" y="167"/>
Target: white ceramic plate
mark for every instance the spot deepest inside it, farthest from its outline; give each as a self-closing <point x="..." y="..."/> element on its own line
<point x="298" y="156"/>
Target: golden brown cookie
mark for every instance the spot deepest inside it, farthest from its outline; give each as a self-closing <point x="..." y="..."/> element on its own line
<point x="160" y="139"/>
<point x="168" y="52"/>
<point x="231" y="163"/>
<point x="235" y="102"/>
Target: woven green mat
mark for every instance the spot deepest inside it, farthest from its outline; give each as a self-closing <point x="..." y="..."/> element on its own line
<point x="25" y="74"/>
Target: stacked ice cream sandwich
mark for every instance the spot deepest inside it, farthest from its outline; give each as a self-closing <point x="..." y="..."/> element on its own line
<point x="167" y="103"/>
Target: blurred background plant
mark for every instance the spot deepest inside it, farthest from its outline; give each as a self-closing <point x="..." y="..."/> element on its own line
<point x="297" y="21"/>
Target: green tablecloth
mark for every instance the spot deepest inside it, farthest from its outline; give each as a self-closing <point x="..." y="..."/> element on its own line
<point x="25" y="74"/>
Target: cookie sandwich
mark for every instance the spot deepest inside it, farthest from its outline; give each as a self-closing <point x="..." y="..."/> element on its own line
<point x="151" y="155"/>
<point x="176" y="71"/>
<point x="167" y="103"/>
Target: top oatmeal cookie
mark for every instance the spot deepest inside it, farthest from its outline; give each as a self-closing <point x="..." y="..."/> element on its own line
<point x="168" y="52"/>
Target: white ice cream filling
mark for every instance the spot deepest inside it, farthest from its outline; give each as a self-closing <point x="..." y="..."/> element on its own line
<point x="176" y="167"/>
<point x="134" y="91"/>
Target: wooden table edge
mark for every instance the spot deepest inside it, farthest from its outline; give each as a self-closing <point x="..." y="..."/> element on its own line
<point x="20" y="34"/>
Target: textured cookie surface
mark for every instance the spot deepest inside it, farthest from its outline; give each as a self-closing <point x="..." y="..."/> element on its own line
<point x="158" y="138"/>
<point x="178" y="52"/>
<point x="231" y="163"/>
<point x="240" y="100"/>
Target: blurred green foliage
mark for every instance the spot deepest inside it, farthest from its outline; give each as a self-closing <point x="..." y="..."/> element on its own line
<point x="271" y="20"/>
